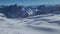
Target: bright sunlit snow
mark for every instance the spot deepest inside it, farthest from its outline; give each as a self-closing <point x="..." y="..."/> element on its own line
<point x="40" y="24"/>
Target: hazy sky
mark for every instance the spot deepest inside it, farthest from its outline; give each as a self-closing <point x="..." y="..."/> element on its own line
<point x="28" y="2"/>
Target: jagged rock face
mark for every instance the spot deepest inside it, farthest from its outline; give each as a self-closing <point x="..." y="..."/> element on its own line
<point x="14" y="11"/>
<point x="42" y="9"/>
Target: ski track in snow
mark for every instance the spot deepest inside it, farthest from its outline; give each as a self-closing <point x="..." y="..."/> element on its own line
<point x="41" y="24"/>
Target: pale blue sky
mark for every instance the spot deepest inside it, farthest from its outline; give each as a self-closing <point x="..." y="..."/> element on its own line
<point x="28" y="2"/>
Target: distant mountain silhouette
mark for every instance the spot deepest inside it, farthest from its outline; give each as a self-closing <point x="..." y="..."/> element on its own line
<point x="14" y="11"/>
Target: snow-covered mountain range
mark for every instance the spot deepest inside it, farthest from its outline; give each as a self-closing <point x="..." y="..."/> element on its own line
<point x="15" y="11"/>
<point x="42" y="19"/>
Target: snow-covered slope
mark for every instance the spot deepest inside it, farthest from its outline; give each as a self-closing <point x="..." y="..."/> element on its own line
<point x="40" y="24"/>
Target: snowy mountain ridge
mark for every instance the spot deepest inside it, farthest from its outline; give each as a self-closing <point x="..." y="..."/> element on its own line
<point x="15" y="11"/>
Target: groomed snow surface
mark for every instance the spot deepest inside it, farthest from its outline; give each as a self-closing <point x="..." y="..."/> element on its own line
<point x="40" y="24"/>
